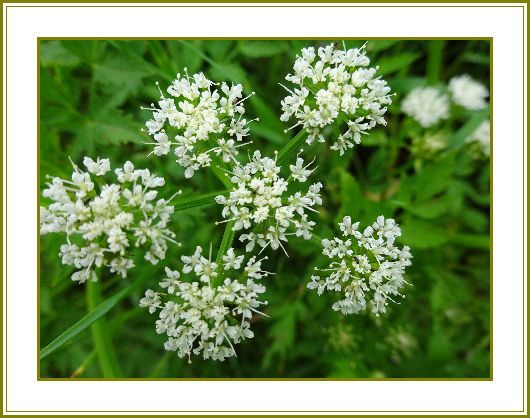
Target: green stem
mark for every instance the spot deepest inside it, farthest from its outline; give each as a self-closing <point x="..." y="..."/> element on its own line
<point x="292" y="147"/>
<point x="186" y="202"/>
<point x="102" y="342"/>
<point x="226" y="243"/>
<point x="435" y="61"/>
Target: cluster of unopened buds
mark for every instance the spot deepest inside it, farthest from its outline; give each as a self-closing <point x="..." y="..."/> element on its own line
<point x="202" y="123"/>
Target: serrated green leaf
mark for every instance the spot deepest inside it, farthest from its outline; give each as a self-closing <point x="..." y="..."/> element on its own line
<point x="53" y="53"/>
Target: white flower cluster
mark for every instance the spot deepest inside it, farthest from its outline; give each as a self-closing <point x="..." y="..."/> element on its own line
<point x="198" y="120"/>
<point x="365" y="266"/>
<point x="202" y="317"/>
<point x="481" y="135"/>
<point x="259" y="201"/>
<point x="101" y="221"/>
<point x="333" y="86"/>
<point x="426" y="105"/>
<point x="468" y="93"/>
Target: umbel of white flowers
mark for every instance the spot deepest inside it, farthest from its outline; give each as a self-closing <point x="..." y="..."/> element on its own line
<point x="334" y="86"/>
<point x="366" y="267"/>
<point x="197" y="120"/>
<point x="426" y="105"/>
<point x="260" y="201"/>
<point x="468" y="93"/>
<point x="101" y="221"/>
<point x="212" y="314"/>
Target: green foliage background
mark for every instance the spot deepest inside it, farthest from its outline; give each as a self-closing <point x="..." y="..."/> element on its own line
<point x="91" y="92"/>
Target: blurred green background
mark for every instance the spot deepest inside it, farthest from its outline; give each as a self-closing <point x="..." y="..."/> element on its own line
<point x="91" y="92"/>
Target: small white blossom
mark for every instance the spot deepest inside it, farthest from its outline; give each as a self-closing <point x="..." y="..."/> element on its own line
<point x="481" y="136"/>
<point x="332" y="86"/>
<point x="98" y="167"/>
<point x="107" y="220"/>
<point x="260" y="200"/>
<point x="366" y="268"/>
<point x="426" y="105"/>
<point x="198" y="120"/>
<point x="209" y="316"/>
<point x="468" y="93"/>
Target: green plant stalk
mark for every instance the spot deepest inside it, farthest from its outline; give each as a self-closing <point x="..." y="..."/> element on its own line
<point x="102" y="342"/>
<point x="292" y="147"/>
<point x="194" y="201"/>
<point x="434" y="61"/>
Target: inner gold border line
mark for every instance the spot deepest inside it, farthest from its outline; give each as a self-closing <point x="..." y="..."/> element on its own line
<point x="268" y="38"/>
<point x="425" y="379"/>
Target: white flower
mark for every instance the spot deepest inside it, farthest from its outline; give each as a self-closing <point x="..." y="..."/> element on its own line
<point x="197" y="120"/>
<point x="260" y="200"/>
<point x="210" y="316"/>
<point x="426" y="105"/>
<point x="332" y="88"/>
<point x="231" y="261"/>
<point x="365" y="269"/>
<point x="468" y="93"/>
<point x="481" y="135"/>
<point x="98" y="167"/>
<point x="106" y="221"/>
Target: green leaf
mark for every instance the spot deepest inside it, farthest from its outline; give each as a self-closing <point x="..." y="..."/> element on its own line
<point x="90" y="318"/>
<point x="433" y="178"/>
<point x="89" y="51"/>
<point x="269" y="125"/>
<point x="479" y="242"/>
<point x="351" y="196"/>
<point x="431" y="209"/>
<point x="53" y="53"/>
<point x="421" y="235"/>
<point x="226" y="242"/>
<point x="230" y="72"/>
<point x="377" y="45"/>
<point x="460" y="136"/>
<point x="260" y="49"/>
<point x="220" y="49"/>
<point x="435" y="50"/>
<point x="119" y="70"/>
<point x="194" y="200"/>
<point x="111" y="129"/>
<point x="292" y="147"/>
<point x="390" y="65"/>
<point x="108" y="360"/>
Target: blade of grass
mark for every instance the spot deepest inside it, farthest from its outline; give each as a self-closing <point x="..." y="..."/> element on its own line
<point x="108" y="360"/>
<point x="194" y="201"/>
<point x="226" y="242"/>
<point x="292" y="147"/>
<point x="115" y="323"/>
<point x="434" y="60"/>
<point x="90" y="318"/>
